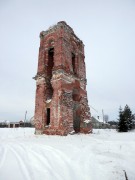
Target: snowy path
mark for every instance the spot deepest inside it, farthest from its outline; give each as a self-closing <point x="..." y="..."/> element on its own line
<point x="104" y="155"/>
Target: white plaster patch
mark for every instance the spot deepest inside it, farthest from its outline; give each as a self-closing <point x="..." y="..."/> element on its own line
<point x="87" y="121"/>
<point x="40" y="80"/>
<point x="49" y="100"/>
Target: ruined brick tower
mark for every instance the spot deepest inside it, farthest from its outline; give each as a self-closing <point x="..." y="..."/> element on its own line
<point x="61" y="99"/>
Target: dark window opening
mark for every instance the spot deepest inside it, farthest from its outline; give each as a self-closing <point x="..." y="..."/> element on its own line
<point x="73" y="63"/>
<point x="11" y="125"/>
<point x="50" y="62"/>
<point x="49" y="73"/>
<point x="48" y="116"/>
<point x="76" y="118"/>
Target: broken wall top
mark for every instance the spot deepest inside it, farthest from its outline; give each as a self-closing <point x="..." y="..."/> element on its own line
<point x="58" y="26"/>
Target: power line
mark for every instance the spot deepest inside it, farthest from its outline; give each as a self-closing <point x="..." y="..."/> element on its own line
<point x="93" y="108"/>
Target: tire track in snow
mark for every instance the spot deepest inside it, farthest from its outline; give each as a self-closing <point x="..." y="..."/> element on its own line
<point x="35" y="161"/>
<point x="3" y="157"/>
<point x="21" y="163"/>
<point x="54" y="159"/>
<point x="25" y="148"/>
<point x="52" y="163"/>
<point x="44" y="165"/>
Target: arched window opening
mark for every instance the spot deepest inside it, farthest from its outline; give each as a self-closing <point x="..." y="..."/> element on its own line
<point x="50" y="62"/>
<point x="49" y="92"/>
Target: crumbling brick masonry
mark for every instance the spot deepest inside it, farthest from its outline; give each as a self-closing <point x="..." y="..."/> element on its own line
<point x="61" y="104"/>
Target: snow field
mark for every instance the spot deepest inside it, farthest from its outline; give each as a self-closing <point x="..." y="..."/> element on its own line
<point x="103" y="155"/>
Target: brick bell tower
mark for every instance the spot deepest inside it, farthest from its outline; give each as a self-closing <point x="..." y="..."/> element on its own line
<point x="61" y="104"/>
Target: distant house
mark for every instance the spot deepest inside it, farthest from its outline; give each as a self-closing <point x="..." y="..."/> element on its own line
<point x="13" y="125"/>
<point x="95" y="123"/>
<point x="3" y="123"/>
<point x="21" y="123"/>
<point x="7" y="124"/>
<point x="99" y="124"/>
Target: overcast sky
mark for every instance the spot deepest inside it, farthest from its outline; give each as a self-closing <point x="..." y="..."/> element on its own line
<point x="107" y="28"/>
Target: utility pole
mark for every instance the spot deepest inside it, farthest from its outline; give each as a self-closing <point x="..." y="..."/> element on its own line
<point x="103" y="115"/>
<point x="25" y="118"/>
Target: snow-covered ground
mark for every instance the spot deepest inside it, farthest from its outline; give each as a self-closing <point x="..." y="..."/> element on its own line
<point x="103" y="155"/>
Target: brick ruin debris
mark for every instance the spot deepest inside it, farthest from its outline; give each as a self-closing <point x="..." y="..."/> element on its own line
<point x="61" y="104"/>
